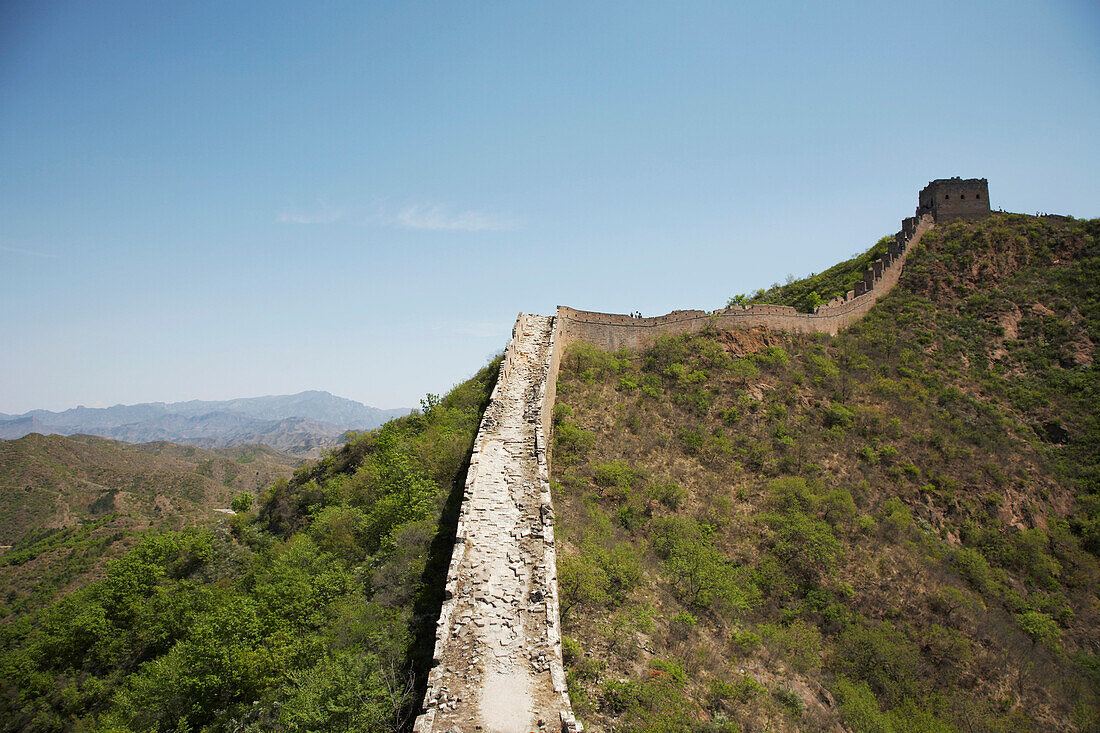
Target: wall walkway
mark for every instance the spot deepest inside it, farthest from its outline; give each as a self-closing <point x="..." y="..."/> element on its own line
<point x="498" y="644"/>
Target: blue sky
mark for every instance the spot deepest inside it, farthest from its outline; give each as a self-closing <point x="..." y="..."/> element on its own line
<point x="214" y="200"/>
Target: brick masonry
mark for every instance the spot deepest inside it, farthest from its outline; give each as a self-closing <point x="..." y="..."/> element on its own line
<point x="612" y="331"/>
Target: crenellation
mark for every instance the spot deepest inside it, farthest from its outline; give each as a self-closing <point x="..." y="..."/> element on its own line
<point x="613" y="332"/>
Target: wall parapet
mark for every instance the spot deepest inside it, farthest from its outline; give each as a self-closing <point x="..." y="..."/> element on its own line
<point x="615" y="331"/>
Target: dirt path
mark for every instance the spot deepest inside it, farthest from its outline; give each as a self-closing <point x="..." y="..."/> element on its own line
<point x="498" y="644"/>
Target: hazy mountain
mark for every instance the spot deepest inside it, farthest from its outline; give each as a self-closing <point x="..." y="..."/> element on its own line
<point x="301" y="423"/>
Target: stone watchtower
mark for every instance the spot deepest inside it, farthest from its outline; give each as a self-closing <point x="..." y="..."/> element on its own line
<point x="955" y="198"/>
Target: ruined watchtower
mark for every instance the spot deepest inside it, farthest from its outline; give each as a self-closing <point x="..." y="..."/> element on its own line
<point x="955" y="198"/>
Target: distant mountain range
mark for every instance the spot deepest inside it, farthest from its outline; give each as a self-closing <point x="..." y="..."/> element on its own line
<point x="301" y="424"/>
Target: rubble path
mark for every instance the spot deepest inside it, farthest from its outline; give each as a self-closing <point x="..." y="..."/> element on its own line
<point x="498" y="645"/>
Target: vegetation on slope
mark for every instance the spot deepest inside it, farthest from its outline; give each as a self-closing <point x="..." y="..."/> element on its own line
<point x="895" y="528"/>
<point x="72" y="503"/>
<point x="808" y="293"/>
<point x="313" y="613"/>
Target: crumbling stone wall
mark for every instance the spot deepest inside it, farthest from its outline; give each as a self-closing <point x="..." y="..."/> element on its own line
<point x="537" y="383"/>
<point x="497" y="664"/>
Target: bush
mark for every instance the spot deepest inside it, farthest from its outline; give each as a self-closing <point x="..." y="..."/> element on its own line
<point x="1041" y="628"/>
<point x="970" y="564"/>
<point x="571" y="442"/>
<point x="879" y="655"/>
<point x="860" y="708"/>
<point x="837" y="415"/>
<point x="616" y="476"/>
<point x="799" y="643"/>
<point x="805" y="544"/>
<point x="700" y="574"/>
<point x="241" y="503"/>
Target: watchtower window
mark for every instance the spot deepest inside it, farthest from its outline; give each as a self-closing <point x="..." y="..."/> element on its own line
<point x="977" y="196"/>
<point x="962" y="196"/>
<point x="946" y="196"/>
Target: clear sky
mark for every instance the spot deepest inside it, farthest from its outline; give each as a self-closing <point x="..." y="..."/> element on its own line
<point x="227" y="199"/>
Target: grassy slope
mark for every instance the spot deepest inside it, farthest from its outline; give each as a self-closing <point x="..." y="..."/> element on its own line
<point x="897" y="527"/>
<point x="72" y="503"/>
<point x="314" y="613"/>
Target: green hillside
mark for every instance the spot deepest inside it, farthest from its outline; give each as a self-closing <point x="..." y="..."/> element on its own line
<point x="71" y="503"/>
<point x="313" y="613"/>
<point x="895" y="529"/>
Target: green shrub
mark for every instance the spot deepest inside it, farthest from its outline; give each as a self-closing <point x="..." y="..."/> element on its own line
<point x="789" y="699"/>
<point x="881" y="656"/>
<point x="837" y="415"/>
<point x="859" y="707"/>
<point x="1041" y="628"/>
<point x="241" y="503"/>
<point x="618" y="477"/>
<point x="868" y="455"/>
<point x="741" y="690"/>
<point x="744" y="640"/>
<point x="590" y="363"/>
<point x="571" y="441"/>
<point x="700" y="574"/>
<point x="804" y="543"/>
<point x="970" y="564"/>
<point x="866" y="524"/>
<point x="799" y="643"/>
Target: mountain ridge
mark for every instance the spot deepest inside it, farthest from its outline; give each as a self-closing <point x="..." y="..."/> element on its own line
<point x="301" y="423"/>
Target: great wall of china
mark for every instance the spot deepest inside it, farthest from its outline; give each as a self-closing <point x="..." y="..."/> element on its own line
<point x="498" y="660"/>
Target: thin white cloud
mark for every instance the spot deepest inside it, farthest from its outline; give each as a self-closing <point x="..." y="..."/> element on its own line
<point x="428" y="217"/>
<point x="443" y="218"/>
<point x="322" y="213"/>
<point x="31" y="252"/>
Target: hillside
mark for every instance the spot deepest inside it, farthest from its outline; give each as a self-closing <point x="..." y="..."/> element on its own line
<point x="71" y="503"/>
<point x="301" y="424"/>
<point x="894" y="529"/>
<point x="314" y="612"/>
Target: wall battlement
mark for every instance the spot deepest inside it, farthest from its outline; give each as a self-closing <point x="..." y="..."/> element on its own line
<point x="613" y="331"/>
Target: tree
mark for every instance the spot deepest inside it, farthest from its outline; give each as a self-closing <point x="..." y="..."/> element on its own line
<point x="1041" y="628"/>
<point x="241" y="503"/>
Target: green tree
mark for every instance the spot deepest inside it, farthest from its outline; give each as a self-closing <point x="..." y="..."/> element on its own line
<point x="241" y="503"/>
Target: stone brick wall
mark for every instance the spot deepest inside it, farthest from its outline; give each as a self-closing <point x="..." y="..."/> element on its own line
<point x="615" y="331"/>
<point x="612" y="331"/>
<point x="516" y="458"/>
<point x="955" y="198"/>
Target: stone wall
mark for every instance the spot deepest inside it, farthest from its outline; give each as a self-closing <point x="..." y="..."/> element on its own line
<point x="497" y="663"/>
<point x="612" y="331"/>
<point x="955" y="198"/>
